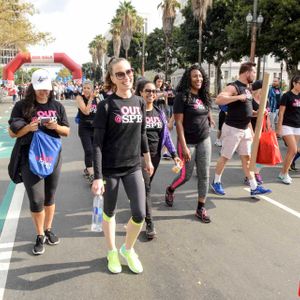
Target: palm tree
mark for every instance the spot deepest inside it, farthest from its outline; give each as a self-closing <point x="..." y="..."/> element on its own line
<point x="115" y="30"/>
<point x="93" y="52"/>
<point x="101" y="47"/>
<point x="130" y="23"/>
<point x="200" y="8"/>
<point x="169" y="8"/>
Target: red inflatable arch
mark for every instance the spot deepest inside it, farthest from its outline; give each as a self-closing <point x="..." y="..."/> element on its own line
<point x="26" y="57"/>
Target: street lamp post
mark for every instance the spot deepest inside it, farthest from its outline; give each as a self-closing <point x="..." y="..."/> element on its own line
<point x="281" y="70"/>
<point x="254" y="22"/>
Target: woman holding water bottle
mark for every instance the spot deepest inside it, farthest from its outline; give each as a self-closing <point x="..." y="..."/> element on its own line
<point x="158" y="136"/>
<point x="119" y="140"/>
<point x="191" y="109"/>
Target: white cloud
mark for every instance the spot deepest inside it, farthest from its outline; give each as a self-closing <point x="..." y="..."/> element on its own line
<point x="74" y="23"/>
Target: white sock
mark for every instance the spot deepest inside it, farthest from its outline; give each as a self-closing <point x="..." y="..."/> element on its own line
<point x="217" y="178"/>
<point x="253" y="183"/>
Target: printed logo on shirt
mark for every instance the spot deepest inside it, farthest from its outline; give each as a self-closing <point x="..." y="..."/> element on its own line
<point x="153" y="122"/>
<point x="129" y="114"/>
<point x="45" y="114"/>
<point x="93" y="108"/>
<point x="198" y="104"/>
<point x="296" y="103"/>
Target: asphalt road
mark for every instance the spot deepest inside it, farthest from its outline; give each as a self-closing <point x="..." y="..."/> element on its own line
<point x="251" y="249"/>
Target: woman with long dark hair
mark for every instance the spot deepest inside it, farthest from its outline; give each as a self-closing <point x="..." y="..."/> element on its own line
<point x="158" y="136"/>
<point x="40" y="111"/>
<point x="288" y="126"/>
<point x="192" y="114"/>
<point x="87" y="107"/>
<point x="119" y="140"/>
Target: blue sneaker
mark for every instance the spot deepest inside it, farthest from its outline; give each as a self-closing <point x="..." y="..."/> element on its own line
<point x="260" y="190"/>
<point x="218" y="188"/>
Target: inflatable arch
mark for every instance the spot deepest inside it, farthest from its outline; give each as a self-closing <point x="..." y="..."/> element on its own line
<point x="25" y="58"/>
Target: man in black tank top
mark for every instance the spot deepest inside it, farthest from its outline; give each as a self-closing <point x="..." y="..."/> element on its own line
<point x="236" y="131"/>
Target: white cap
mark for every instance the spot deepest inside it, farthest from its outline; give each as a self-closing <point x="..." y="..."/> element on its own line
<point x="41" y="80"/>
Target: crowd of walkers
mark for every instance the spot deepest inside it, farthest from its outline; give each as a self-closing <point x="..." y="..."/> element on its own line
<point x="125" y="133"/>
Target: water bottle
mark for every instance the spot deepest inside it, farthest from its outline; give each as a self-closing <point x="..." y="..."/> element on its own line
<point x="97" y="213"/>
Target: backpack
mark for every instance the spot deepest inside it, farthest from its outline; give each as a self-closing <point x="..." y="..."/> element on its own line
<point x="43" y="153"/>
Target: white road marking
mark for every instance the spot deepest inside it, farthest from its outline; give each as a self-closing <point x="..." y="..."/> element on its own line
<point x="8" y="234"/>
<point x="285" y="208"/>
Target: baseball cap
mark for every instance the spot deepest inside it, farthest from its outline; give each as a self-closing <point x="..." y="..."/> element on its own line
<point x="41" y="80"/>
<point x="256" y="85"/>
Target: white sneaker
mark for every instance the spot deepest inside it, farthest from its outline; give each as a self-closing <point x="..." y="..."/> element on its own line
<point x="285" y="178"/>
<point x="218" y="143"/>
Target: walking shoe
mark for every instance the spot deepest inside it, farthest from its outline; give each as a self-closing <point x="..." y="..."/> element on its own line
<point x="51" y="238"/>
<point x="113" y="262"/>
<point x="260" y="190"/>
<point x="202" y="215"/>
<point x="259" y="179"/>
<point x="246" y="181"/>
<point x="285" y="178"/>
<point x="218" y="143"/>
<point x="218" y="188"/>
<point x="150" y="230"/>
<point x="167" y="156"/>
<point x="169" y="197"/>
<point x="293" y="167"/>
<point x="39" y="248"/>
<point x="132" y="259"/>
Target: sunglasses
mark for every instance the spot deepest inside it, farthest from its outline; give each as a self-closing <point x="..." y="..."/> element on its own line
<point x="150" y="91"/>
<point x="122" y="75"/>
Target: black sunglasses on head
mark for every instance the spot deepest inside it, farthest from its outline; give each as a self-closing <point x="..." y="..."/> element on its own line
<point x="122" y="75"/>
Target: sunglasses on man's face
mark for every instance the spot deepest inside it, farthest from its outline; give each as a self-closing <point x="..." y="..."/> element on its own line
<point x="148" y="91"/>
<point x="122" y="75"/>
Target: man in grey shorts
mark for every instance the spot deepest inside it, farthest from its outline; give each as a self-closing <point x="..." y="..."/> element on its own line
<point x="236" y="131"/>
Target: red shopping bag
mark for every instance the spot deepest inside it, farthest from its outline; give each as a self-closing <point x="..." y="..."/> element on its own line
<point x="268" y="149"/>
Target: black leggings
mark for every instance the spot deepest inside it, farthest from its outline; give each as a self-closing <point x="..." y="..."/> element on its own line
<point x="147" y="179"/>
<point x="40" y="192"/>
<point x="135" y="190"/>
<point x="86" y="135"/>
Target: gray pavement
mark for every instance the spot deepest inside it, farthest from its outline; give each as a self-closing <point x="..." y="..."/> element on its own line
<point x="249" y="251"/>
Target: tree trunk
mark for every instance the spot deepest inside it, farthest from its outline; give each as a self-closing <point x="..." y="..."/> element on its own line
<point x="292" y="69"/>
<point x="258" y="68"/>
<point x="200" y="43"/>
<point x="218" y="77"/>
<point x="166" y="58"/>
<point x="126" y="53"/>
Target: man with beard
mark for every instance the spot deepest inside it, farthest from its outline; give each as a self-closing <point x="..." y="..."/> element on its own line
<point x="274" y="96"/>
<point x="236" y="131"/>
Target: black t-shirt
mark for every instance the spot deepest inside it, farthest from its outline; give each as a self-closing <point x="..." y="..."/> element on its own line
<point x="154" y="126"/>
<point x="255" y="106"/>
<point x="87" y="120"/>
<point x="239" y="113"/>
<point x="292" y="109"/>
<point x="195" y="118"/>
<point x="124" y="123"/>
<point x="52" y="108"/>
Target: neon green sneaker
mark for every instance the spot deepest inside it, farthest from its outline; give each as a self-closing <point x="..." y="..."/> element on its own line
<point x="114" y="265"/>
<point x="132" y="259"/>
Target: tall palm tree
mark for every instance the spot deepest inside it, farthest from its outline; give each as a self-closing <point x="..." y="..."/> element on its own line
<point x="101" y="47"/>
<point x="93" y="52"/>
<point x="200" y="8"/>
<point x="115" y="30"/>
<point x="130" y="23"/>
<point x="169" y="8"/>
